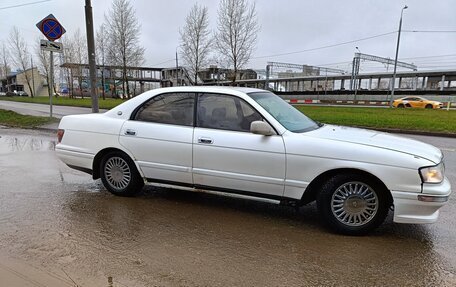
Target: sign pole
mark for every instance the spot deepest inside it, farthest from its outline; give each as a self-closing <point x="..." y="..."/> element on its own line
<point x="91" y="54"/>
<point x="52" y="30"/>
<point x="51" y="82"/>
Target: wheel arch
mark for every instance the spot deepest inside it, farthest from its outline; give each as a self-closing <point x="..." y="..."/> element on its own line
<point x="99" y="156"/>
<point x="314" y="186"/>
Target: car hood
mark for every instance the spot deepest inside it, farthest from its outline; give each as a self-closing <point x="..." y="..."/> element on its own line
<point x="379" y="140"/>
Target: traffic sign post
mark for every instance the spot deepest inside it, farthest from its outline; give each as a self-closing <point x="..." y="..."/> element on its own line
<point x="51" y="46"/>
<point x="52" y="30"/>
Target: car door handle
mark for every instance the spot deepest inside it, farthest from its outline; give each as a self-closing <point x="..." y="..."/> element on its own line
<point x="130" y="132"/>
<point x="205" y="140"/>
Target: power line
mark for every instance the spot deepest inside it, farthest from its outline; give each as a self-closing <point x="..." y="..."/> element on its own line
<point x="429" y="31"/>
<point x="327" y="46"/>
<point x="434" y="56"/>
<point x="25" y="4"/>
<point x="164" y="62"/>
<point x="409" y="58"/>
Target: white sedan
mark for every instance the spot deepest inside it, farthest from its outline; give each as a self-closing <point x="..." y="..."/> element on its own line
<point x="250" y="142"/>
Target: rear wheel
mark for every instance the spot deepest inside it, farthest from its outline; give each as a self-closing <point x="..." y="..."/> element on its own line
<point x="428" y="106"/>
<point x="119" y="174"/>
<point x="352" y="205"/>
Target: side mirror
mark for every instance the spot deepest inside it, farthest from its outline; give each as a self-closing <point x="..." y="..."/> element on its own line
<point x="261" y="128"/>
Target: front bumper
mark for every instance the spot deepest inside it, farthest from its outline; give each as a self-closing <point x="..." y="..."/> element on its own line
<point x="418" y="208"/>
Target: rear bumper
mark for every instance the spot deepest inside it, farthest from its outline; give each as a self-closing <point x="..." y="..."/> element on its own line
<point x="418" y="208"/>
<point x="76" y="160"/>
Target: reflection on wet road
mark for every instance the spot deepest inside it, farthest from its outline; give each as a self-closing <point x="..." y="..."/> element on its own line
<point x="66" y="226"/>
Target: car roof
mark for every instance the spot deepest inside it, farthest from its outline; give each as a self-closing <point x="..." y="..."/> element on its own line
<point x="221" y="89"/>
<point x="135" y="101"/>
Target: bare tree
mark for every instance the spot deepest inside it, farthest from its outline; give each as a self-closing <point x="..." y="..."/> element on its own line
<point x="80" y="57"/>
<point x="124" y="32"/>
<point x="20" y="55"/>
<point x="237" y="27"/>
<point x="101" y="46"/>
<point x="44" y="64"/>
<point x="69" y="57"/>
<point x="4" y="59"/>
<point x="195" y="40"/>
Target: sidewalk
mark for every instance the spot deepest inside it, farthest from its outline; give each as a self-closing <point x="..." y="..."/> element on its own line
<point x="41" y="110"/>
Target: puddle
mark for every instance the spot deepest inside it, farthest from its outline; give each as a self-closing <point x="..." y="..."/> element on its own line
<point x="9" y="144"/>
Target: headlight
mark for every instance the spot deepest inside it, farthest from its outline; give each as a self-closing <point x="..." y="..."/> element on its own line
<point x="432" y="174"/>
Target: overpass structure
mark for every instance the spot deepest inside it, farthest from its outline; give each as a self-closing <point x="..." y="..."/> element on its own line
<point x="436" y="81"/>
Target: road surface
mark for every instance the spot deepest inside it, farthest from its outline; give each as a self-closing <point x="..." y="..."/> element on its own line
<point x="61" y="228"/>
<point x="43" y="110"/>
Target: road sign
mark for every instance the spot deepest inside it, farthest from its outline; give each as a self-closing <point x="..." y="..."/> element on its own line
<point x="51" y="28"/>
<point x="51" y="46"/>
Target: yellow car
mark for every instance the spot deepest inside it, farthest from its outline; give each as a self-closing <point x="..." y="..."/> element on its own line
<point x="416" y="102"/>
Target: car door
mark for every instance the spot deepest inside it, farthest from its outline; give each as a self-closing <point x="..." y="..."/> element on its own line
<point x="415" y="102"/>
<point x="159" y="134"/>
<point x="420" y="103"/>
<point x="227" y="156"/>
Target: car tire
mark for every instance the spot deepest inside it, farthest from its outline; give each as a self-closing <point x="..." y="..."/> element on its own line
<point x="353" y="204"/>
<point x="119" y="174"/>
<point x="428" y="106"/>
<point x="401" y="106"/>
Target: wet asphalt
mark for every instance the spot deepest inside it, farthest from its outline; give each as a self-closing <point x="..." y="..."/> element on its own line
<point x="58" y="225"/>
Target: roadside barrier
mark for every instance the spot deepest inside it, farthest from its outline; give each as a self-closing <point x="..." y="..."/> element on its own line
<point x="343" y="102"/>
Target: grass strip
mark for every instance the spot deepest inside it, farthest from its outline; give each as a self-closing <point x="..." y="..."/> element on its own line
<point x="424" y="120"/>
<point x="13" y="119"/>
<point x="65" y="101"/>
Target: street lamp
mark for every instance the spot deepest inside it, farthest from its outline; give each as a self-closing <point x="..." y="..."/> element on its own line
<point x="395" y="60"/>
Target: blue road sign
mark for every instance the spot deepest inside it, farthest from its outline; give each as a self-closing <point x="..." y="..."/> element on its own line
<point x="51" y="28"/>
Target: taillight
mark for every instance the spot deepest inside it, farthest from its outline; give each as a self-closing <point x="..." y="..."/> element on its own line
<point x="60" y="135"/>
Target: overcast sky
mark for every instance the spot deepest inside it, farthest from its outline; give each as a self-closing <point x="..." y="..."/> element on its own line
<point x="286" y="26"/>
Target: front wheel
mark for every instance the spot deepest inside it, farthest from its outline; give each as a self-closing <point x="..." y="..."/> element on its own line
<point x="352" y="205"/>
<point x="429" y="107"/>
<point x="119" y="174"/>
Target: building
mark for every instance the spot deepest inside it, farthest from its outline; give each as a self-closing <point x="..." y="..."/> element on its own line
<point x="214" y="75"/>
<point x="17" y="81"/>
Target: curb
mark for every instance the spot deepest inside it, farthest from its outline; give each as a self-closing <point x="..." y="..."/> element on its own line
<point x="410" y="132"/>
<point x="45" y="129"/>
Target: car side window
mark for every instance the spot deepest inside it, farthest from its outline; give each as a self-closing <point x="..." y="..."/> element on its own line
<point x="225" y="112"/>
<point x="173" y="108"/>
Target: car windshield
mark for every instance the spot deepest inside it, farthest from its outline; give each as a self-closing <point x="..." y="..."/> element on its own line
<point x="289" y="117"/>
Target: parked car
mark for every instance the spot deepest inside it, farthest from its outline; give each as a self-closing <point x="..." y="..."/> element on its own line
<point x="251" y="142"/>
<point x="416" y="102"/>
<point x="16" y="93"/>
<point x="22" y="94"/>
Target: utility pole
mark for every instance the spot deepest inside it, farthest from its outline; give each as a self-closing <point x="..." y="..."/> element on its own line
<point x="33" y="75"/>
<point x="91" y="52"/>
<point x="177" y="70"/>
<point x="395" y="60"/>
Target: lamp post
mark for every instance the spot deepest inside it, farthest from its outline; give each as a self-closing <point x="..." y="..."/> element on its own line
<point x="395" y="59"/>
